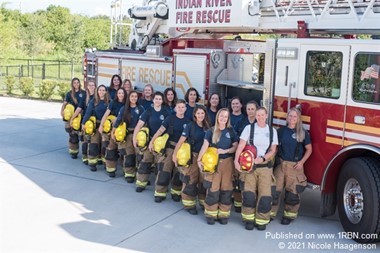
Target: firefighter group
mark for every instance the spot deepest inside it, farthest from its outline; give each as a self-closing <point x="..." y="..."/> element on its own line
<point x="210" y="158"/>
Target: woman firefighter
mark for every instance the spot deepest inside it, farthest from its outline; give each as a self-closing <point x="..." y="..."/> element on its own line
<point x="218" y="183"/>
<point x="109" y="117"/>
<point x="258" y="179"/>
<point x="70" y="103"/>
<point x="193" y="134"/>
<point x="129" y="114"/>
<point x="94" y="114"/>
<point x="294" y="150"/>
<point x="172" y="127"/>
<point x="81" y="110"/>
<point x="150" y="121"/>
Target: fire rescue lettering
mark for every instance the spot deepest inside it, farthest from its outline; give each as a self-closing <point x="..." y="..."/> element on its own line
<point x="148" y="75"/>
<point x="212" y="15"/>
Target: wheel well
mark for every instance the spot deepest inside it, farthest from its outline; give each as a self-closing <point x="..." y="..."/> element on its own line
<point x="331" y="175"/>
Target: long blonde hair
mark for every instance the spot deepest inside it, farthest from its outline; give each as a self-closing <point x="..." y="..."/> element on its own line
<point x="300" y="131"/>
<point x="216" y="131"/>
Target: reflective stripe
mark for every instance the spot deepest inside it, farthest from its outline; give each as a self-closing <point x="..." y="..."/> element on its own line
<point x="211" y="213"/>
<point x="84" y="159"/>
<point x="237" y="204"/>
<point x="201" y="202"/>
<point x="261" y="221"/>
<point x="175" y="192"/>
<point x="188" y="203"/>
<point x="290" y="215"/>
<point x="273" y="214"/>
<point x="129" y="174"/>
<point x="73" y="151"/>
<point x="224" y="213"/>
<point x="110" y="169"/>
<point x="250" y="217"/>
<point x="92" y="161"/>
<point x="141" y="184"/>
<point x="159" y="194"/>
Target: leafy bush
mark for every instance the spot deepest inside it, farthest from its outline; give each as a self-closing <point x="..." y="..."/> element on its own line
<point x="26" y="85"/>
<point x="63" y="88"/>
<point x="10" y="82"/>
<point x="46" y="89"/>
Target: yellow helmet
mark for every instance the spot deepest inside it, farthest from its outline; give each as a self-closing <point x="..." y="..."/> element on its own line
<point x="68" y="112"/>
<point x="184" y="155"/>
<point x="121" y="132"/>
<point x="210" y="160"/>
<point x="76" y="122"/>
<point x="107" y="125"/>
<point x="90" y="125"/>
<point x="160" y="143"/>
<point x="142" y="138"/>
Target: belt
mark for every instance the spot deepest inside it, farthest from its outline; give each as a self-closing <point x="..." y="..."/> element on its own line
<point x="263" y="165"/>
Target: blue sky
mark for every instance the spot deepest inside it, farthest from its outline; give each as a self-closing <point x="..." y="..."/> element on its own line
<point x="84" y="7"/>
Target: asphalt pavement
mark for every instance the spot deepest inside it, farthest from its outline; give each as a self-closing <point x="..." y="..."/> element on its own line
<point x="52" y="203"/>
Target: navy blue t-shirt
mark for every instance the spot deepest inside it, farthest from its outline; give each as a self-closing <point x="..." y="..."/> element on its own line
<point x="189" y="112"/>
<point x="288" y="144"/>
<point x="112" y="93"/>
<point x="170" y="108"/>
<point x="154" y="119"/>
<point x="225" y="141"/>
<point x="135" y="113"/>
<point x="79" y="95"/>
<point x="235" y="121"/>
<point x="211" y="116"/>
<point x="145" y="103"/>
<point x="114" y="106"/>
<point x="243" y="123"/>
<point x="194" y="135"/>
<point x="95" y="110"/>
<point x="174" y="126"/>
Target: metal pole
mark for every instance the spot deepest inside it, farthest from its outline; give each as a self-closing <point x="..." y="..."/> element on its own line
<point x="43" y="71"/>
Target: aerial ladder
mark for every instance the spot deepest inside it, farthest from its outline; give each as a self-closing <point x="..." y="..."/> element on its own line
<point x="303" y="18"/>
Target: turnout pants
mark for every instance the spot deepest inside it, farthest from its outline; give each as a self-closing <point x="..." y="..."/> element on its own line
<point x="167" y="173"/>
<point x="144" y="169"/>
<point x="257" y="195"/>
<point x="192" y="185"/>
<point x="294" y="182"/>
<point x="219" y="190"/>
<point x="127" y="151"/>
<point x="73" y="139"/>
<point x="104" y="145"/>
<point x="94" y="148"/>
<point x="236" y="194"/>
<point x="111" y="155"/>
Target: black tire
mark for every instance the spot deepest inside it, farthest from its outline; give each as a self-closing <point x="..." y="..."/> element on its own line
<point x="359" y="198"/>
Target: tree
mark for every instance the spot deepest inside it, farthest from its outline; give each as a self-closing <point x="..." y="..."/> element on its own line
<point x="34" y="44"/>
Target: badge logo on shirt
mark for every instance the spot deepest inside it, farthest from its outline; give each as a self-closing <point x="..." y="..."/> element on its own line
<point x="228" y="135"/>
<point x="162" y="117"/>
<point x="137" y="111"/>
<point x="294" y="136"/>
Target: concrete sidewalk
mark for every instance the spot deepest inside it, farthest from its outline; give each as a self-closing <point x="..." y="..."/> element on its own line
<point x="52" y="203"/>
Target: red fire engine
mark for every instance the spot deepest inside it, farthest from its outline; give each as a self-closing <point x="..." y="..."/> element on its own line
<point x="332" y="79"/>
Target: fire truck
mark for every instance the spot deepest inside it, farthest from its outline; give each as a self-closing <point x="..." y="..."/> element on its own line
<point x="318" y="65"/>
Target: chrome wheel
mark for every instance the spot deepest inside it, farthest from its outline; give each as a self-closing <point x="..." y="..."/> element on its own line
<point x="353" y="200"/>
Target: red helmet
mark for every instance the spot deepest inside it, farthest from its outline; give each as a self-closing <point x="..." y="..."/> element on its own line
<point x="247" y="158"/>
